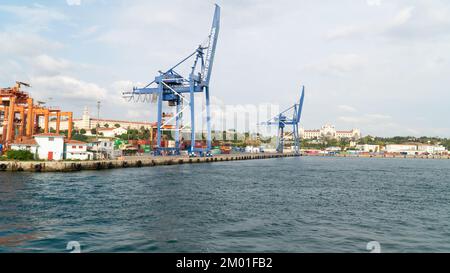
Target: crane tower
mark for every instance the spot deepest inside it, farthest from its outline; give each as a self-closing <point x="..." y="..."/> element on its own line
<point x="180" y="92"/>
<point x="290" y="116"/>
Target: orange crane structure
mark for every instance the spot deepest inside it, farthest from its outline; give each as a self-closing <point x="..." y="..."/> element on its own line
<point x="19" y="116"/>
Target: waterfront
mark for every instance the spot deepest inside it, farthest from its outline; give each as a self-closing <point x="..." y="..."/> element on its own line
<point x="298" y="204"/>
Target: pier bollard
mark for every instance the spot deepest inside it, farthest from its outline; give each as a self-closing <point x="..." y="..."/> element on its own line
<point x="139" y="164"/>
<point x="38" y="168"/>
<point x="76" y="167"/>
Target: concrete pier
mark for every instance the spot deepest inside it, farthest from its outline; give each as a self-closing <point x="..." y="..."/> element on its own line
<point x="442" y="157"/>
<point x="127" y="162"/>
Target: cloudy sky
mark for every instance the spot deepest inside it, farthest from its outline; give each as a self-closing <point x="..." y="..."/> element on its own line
<point x="382" y="66"/>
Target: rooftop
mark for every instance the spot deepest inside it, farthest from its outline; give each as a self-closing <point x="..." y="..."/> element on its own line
<point x="75" y="142"/>
<point x="28" y="142"/>
<point x="49" y="135"/>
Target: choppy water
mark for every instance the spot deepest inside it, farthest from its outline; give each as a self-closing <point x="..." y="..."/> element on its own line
<point x="282" y="205"/>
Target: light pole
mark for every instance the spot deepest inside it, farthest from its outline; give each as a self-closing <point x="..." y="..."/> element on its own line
<point x="98" y="120"/>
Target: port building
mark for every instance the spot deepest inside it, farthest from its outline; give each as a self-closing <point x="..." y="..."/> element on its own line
<point x="330" y="132"/>
<point x="87" y="122"/>
<point x="53" y="146"/>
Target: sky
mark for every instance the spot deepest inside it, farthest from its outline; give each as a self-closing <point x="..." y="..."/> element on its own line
<point x="378" y="65"/>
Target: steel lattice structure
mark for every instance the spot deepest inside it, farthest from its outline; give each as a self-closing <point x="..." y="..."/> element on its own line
<point x="179" y="91"/>
<point x="282" y="120"/>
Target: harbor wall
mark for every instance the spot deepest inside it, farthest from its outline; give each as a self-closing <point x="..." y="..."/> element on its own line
<point x="139" y="162"/>
<point x="446" y="157"/>
<point x="129" y="162"/>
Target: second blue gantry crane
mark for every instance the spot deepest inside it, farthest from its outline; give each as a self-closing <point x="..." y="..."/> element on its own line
<point x="289" y="117"/>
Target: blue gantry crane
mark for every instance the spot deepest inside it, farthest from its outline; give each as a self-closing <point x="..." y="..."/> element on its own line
<point x="179" y="92"/>
<point x="282" y="120"/>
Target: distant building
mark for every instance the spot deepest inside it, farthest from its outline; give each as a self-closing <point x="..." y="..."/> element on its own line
<point x="112" y="132"/>
<point x="368" y="148"/>
<point x="88" y="123"/>
<point x="329" y="132"/>
<point x="432" y="149"/>
<point x="416" y="149"/>
<point x="400" y="148"/>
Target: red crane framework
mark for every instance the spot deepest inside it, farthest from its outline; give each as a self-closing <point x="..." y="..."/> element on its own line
<point x="19" y="116"/>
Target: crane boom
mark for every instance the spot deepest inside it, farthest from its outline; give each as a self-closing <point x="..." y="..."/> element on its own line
<point x="300" y="105"/>
<point x="212" y="43"/>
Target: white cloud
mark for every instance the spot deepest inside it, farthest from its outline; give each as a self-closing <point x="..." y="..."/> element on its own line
<point x="403" y="16"/>
<point x="66" y="87"/>
<point x="380" y="56"/>
<point x="34" y="17"/>
<point x="47" y="64"/>
<point x="378" y="116"/>
<point x="73" y="2"/>
<point x="365" y="119"/>
<point x="343" y="32"/>
<point x="26" y="44"/>
<point x="339" y="64"/>
<point x="373" y="2"/>
<point x="347" y="108"/>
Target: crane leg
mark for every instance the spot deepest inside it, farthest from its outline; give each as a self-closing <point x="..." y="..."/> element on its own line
<point x="177" y="129"/>
<point x="192" y="104"/>
<point x="159" y="131"/>
<point x="208" y="119"/>
<point x="296" y="139"/>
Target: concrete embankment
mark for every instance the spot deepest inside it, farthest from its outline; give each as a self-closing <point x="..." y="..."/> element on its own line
<point x="384" y="156"/>
<point x="130" y="162"/>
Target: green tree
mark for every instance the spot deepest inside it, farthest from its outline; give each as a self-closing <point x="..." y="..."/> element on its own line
<point x="80" y="137"/>
<point x="21" y="155"/>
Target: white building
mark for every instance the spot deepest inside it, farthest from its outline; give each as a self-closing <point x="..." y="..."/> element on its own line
<point x="77" y="150"/>
<point x="400" y="148"/>
<point x="88" y="123"/>
<point x="112" y="132"/>
<point x="368" y="148"/>
<point x="104" y="149"/>
<point x="431" y="149"/>
<point x="50" y="146"/>
<point x="25" y="145"/>
<point x="416" y="149"/>
<point x="53" y="147"/>
<point x="330" y="132"/>
<point x="333" y="149"/>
